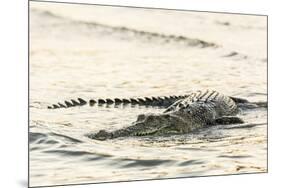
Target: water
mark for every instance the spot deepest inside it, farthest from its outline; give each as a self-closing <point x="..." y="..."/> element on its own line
<point x="94" y="51"/>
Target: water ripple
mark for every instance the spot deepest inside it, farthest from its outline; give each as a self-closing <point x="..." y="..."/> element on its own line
<point x="147" y="163"/>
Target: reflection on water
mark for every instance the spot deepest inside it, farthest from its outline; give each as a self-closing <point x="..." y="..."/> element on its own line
<point x="92" y="52"/>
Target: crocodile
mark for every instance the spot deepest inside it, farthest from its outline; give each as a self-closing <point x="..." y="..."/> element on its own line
<point x="164" y="102"/>
<point x="182" y="114"/>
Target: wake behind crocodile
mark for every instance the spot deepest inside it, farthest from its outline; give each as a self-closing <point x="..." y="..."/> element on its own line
<point x="126" y="33"/>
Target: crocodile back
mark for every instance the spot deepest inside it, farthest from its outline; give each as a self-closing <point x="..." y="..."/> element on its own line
<point x="208" y="100"/>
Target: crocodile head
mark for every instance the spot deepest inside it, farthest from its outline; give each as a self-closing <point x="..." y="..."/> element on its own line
<point x="160" y="124"/>
<point x="152" y="124"/>
<point x="102" y="135"/>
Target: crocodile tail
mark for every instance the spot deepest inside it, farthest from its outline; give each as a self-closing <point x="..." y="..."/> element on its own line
<point x="146" y="101"/>
<point x="67" y="104"/>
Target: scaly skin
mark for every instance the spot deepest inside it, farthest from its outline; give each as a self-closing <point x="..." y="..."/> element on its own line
<point x="146" y="101"/>
<point x="183" y="113"/>
<point x="197" y="110"/>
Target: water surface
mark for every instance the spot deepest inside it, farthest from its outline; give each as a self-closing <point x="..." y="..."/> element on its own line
<point x="94" y="51"/>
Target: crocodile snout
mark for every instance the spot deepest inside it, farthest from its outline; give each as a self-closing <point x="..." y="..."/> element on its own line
<point x="103" y="135"/>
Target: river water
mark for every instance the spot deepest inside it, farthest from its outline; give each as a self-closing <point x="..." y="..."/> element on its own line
<point x="101" y="52"/>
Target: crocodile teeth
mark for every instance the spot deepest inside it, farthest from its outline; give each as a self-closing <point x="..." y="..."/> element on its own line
<point x="145" y="133"/>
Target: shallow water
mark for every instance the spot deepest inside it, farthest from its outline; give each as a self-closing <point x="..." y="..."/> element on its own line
<point x="103" y="52"/>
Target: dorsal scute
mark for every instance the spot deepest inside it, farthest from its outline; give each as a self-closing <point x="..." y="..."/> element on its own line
<point x="204" y="96"/>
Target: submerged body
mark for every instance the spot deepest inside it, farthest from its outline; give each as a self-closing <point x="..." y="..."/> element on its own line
<point x="196" y="110"/>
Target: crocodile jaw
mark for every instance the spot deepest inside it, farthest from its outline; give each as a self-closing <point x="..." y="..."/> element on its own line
<point x="102" y="135"/>
<point x="160" y="124"/>
<point x="151" y="124"/>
